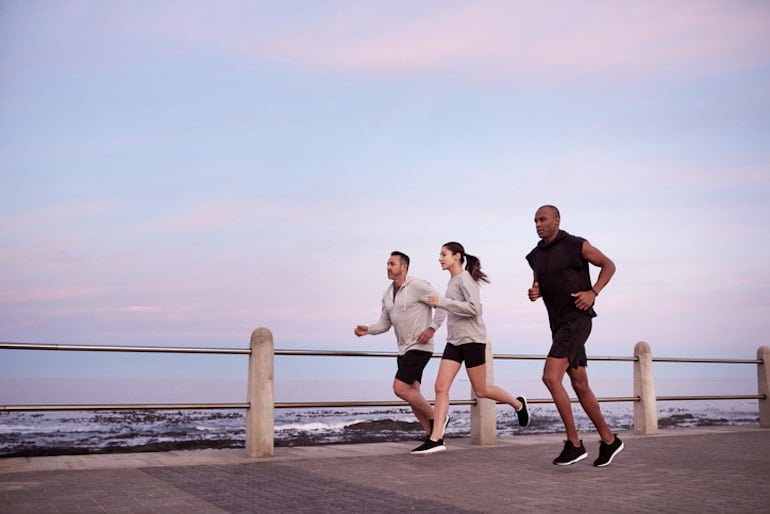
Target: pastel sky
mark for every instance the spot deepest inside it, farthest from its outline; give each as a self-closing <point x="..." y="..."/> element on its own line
<point x="181" y="173"/>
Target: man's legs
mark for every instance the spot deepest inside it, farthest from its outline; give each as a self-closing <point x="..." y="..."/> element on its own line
<point x="590" y="404"/>
<point x="553" y="377"/>
<point x="406" y="384"/>
<point x="412" y="395"/>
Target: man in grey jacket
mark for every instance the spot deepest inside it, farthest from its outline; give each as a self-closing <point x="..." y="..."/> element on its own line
<point x="405" y="307"/>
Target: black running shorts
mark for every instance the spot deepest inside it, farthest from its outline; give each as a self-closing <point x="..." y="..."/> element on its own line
<point x="474" y="354"/>
<point x="411" y="364"/>
<point x="569" y="341"/>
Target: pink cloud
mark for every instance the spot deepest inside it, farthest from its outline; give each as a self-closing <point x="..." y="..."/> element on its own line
<point x="47" y="294"/>
<point x="142" y="309"/>
<point x="201" y="217"/>
<point x="55" y="215"/>
<point x="550" y="42"/>
<point x="514" y="41"/>
<point x="494" y="40"/>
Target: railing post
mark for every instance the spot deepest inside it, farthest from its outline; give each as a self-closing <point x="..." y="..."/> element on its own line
<point x="483" y="412"/>
<point x="260" y="419"/>
<point x="763" y="385"/>
<point x="646" y="409"/>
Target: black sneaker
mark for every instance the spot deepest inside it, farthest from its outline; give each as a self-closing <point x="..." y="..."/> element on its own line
<point x="607" y="452"/>
<point x="429" y="446"/>
<point x="523" y="413"/>
<point x="570" y="454"/>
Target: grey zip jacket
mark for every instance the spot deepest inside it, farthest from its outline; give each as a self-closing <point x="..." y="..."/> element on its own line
<point x="409" y="314"/>
<point x="463" y="301"/>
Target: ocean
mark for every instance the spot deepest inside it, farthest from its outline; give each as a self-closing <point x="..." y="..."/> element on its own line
<point x="25" y="434"/>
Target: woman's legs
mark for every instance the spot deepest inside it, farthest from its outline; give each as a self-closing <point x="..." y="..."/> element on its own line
<point x="447" y="371"/>
<point x="478" y="378"/>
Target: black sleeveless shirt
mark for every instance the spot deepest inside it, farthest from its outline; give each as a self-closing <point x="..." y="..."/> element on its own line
<point x="561" y="270"/>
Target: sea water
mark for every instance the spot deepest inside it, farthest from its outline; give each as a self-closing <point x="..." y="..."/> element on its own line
<point x="82" y="432"/>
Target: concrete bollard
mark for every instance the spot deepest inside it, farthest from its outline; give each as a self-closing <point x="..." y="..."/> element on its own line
<point x="260" y="420"/>
<point x="646" y="409"/>
<point x="484" y="412"/>
<point x="763" y="385"/>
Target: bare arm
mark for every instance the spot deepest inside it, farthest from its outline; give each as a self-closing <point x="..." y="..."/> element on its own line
<point x="585" y="299"/>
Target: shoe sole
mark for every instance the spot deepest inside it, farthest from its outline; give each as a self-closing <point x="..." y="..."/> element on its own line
<point x="576" y="459"/>
<point x="523" y="400"/>
<point x="620" y="449"/>
<point x="432" y="450"/>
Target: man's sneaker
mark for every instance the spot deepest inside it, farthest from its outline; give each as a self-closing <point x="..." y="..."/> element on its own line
<point x="523" y="413"/>
<point x="607" y="452"/>
<point x="570" y="454"/>
<point x="429" y="446"/>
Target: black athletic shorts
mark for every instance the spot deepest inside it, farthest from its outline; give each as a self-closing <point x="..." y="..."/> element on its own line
<point x="474" y="354"/>
<point x="411" y="364"/>
<point x="569" y="341"/>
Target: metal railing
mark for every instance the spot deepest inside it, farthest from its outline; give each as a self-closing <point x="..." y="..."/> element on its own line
<point x="329" y="353"/>
<point x="645" y="412"/>
<point x="697" y="360"/>
<point x="128" y="349"/>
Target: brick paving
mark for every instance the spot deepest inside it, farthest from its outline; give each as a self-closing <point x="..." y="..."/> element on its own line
<point x="684" y="470"/>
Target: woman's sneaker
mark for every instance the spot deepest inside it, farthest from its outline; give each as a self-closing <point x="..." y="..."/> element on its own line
<point x="607" y="452"/>
<point x="570" y="454"/>
<point x="523" y="413"/>
<point x="429" y="446"/>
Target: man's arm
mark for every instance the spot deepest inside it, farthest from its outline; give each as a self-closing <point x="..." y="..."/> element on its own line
<point x="382" y="325"/>
<point x="585" y="299"/>
<point x="534" y="291"/>
<point x="601" y="261"/>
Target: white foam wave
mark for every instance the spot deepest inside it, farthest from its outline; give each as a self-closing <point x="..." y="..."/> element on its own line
<point x="316" y="426"/>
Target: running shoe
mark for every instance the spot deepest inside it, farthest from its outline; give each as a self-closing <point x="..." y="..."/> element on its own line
<point x="429" y="446"/>
<point x="570" y="454"/>
<point x="523" y="413"/>
<point x="607" y="452"/>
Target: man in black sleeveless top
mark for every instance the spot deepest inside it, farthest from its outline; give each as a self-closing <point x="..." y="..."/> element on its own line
<point x="561" y="277"/>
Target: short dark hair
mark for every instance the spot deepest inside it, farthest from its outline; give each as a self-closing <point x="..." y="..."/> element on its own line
<point x="404" y="257"/>
<point x="554" y="209"/>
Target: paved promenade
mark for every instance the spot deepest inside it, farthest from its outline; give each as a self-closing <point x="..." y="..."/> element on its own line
<point x="684" y="470"/>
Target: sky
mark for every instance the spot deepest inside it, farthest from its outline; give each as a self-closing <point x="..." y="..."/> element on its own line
<point x="181" y="173"/>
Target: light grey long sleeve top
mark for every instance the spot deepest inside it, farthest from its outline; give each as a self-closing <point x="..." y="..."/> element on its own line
<point x="409" y="313"/>
<point x="463" y="303"/>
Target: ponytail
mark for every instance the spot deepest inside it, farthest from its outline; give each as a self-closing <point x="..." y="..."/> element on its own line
<point x="474" y="268"/>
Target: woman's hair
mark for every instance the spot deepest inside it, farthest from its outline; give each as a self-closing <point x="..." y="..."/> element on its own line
<point x="473" y="264"/>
